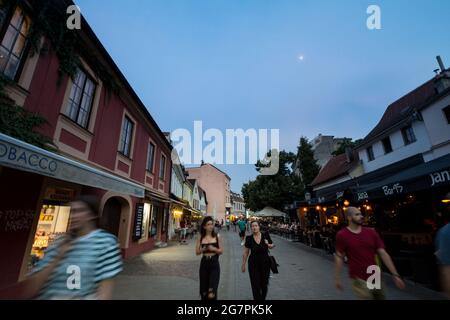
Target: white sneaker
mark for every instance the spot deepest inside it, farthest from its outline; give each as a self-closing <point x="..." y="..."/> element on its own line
<point x="242" y="243"/>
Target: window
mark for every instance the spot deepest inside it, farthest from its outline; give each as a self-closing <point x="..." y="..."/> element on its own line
<point x="162" y="167"/>
<point x="150" y="156"/>
<point x="81" y="98"/>
<point x="387" y="145"/>
<point x="370" y="155"/>
<point x="447" y="113"/>
<point x="127" y="134"/>
<point x="408" y="135"/>
<point x="14" y="43"/>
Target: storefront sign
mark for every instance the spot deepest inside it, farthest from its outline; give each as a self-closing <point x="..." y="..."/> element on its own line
<point x="339" y="194"/>
<point x="395" y="189"/>
<point x="440" y="177"/>
<point x="138" y="221"/>
<point x="23" y="156"/>
<point x="362" y="196"/>
<point x="60" y="194"/>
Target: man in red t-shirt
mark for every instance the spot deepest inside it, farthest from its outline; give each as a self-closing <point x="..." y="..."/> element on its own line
<point x="361" y="245"/>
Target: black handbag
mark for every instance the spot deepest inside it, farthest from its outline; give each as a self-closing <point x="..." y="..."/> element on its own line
<point x="273" y="263"/>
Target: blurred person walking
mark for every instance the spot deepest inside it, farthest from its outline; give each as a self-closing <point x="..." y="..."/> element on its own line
<point x="361" y="245"/>
<point x="242" y="228"/>
<point x="256" y="249"/>
<point x="80" y="265"/>
<point x="209" y="244"/>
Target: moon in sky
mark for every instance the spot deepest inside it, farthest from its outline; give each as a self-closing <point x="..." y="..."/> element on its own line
<point x="301" y="57"/>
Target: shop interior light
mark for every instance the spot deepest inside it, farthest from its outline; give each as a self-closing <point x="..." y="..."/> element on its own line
<point x="305" y="209"/>
<point x="318" y="208"/>
<point x="368" y="207"/>
<point x="346" y="203"/>
<point x="324" y="209"/>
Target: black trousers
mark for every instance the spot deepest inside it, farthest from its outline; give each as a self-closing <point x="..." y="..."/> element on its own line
<point x="209" y="276"/>
<point x="259" y="271"/>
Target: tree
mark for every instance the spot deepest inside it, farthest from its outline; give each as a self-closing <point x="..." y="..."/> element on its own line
<point x="308" y="166"/>
<point x="273" y="190"/>
<point x="346" y="143"/>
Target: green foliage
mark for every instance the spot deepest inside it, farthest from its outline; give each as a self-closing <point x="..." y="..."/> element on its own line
<point x="347" y="143"/>
<point x="273" y="190"/>
<point x="49" y="20"/>
<point x="19" y="123"/>
<point x="308" y="166"/>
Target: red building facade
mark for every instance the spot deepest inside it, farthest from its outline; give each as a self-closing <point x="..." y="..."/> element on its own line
<point x="108" y="145"/>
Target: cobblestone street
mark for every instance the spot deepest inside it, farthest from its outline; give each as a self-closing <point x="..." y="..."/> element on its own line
<point x="305" y="273"/>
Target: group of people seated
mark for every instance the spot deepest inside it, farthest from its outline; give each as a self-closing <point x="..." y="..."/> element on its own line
<point x="314" y="236"/>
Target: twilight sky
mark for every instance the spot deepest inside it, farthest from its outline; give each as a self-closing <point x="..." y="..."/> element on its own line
<point x="235" y="63"/>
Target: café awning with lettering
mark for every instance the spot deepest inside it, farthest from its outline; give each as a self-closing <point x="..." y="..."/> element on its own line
<point x="19" y="155"/>
<point x="427" y="175"/>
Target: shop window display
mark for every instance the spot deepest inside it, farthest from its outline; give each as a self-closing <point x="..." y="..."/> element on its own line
<point x="53" y="222"/>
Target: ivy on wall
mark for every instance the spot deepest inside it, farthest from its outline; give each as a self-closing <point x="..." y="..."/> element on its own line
<point x="19" y="123"/>
<point x="49" y="20"/>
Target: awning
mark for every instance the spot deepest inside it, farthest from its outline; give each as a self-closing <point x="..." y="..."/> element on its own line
<point x="333" y="193"/>
<point x="424" y="176"/>
<point x="270" y="212"/>
<point x="20" y="155"/>
<point x="151" y="195"/>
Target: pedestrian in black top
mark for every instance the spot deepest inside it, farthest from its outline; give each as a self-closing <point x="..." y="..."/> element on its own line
<point x="257" y="245"/>
<point x="210" y="245"/>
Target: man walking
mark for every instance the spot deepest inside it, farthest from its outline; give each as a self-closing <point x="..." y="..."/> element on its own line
<point x="360" y="245"/>
<point x="242" y="227"/>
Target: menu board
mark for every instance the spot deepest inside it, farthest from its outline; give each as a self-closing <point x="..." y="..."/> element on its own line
<point x="138" y="221"/>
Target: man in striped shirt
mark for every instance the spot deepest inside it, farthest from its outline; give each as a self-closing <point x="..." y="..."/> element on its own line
<point x="80" y="265"/>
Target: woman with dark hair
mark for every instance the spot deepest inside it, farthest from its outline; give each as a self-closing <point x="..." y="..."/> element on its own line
<point x="209" y="244"/>
<point x="257" y="245"/>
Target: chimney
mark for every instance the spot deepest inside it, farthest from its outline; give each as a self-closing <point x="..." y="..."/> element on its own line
<point x="441" y="64"/>
<point x="349" y="154"/>
<point x="442" y="79"/>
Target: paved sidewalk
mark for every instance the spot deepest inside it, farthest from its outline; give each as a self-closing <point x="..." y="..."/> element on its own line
<point x="305" y="273"/>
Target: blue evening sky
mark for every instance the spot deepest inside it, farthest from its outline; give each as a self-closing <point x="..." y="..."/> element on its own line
<point x="235" y="63"/>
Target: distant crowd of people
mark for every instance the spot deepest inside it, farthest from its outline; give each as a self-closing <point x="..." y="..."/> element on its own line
<point x="314" y="236"/>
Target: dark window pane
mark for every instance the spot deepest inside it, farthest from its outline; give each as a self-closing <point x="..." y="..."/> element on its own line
<point x="387" y="145"/>
<point x="13" y="44"/>
<point x="150" y="157"/>
<point x="81" y="98"/>
<point x="370" y="155"/>
<point x="11" y="67"/>
<point x="10" y="37"/>
<point x="447" y="113"/>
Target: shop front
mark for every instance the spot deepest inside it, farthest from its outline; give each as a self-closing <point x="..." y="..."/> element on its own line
<point x="406" y="208"/>
<point x="37" y="187"/>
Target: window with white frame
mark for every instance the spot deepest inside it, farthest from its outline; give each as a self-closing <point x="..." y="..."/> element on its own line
<point x="81" y="98"/>
<point x="127" y="136"/>
<point x="150" y="157"/>
<point x="162" y="167"/>
<point x="408" y="135"/>
<point x="370" y="155"/>
<point x="14" y="43"/>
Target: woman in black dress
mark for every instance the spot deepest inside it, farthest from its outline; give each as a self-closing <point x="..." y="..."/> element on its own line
<point x="257" y="245"/>
<point x="209" y="244"/>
